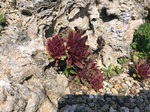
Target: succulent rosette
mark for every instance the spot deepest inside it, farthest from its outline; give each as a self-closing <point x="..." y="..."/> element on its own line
<point x="97" y="82"/>
<point x="56" y="48"/>
<point x="91" y="74"/>
<point x="143" y="69"/>
<point x="77" y="49"/>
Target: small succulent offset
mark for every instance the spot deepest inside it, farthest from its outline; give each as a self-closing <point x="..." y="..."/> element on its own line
<point x="90" y="73"/>
<point x="1" y="19"/>
<point x="142" y="69"/>
<point x="71" y="54"/>
<point x="108" y="72"/>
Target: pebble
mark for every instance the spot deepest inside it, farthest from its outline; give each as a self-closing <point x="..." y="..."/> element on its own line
<point x="117" y="86"/>
<point x="132" y="91"/>
<point x="102" y="90"/>
<point x="114" y="91"/>
<point x="101" y="102"/>
<point x="112" y="110"/>
<point x="91" y="104"/>
<point x="124" y="109"/>
<point x="108" y="99"/>
<point x="136" y="109"/>
<point x="105" y="107"/>
<point x="142" y="85"/>
<point x="91" y="96"/>
<point x="125" y="86"/>
<point x="128" y="83"/>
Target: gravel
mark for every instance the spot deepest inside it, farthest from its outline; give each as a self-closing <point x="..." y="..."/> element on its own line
<point x="127" y="95"/>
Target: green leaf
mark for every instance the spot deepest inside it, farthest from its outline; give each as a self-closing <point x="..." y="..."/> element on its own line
<point x="72" y="71"/>
<point x="65" y="71"/>
<point x="135" y="58"/>
<point x="108" y="74"/>
<point x="51" y="60"/>
<point x="109" y="67"/>
<point x="104" y="69"/>
<point x="112" y="73"/>
<point x="63" y="57"/>
<point x="67" y="74"/>
<point x="1" y="19"/>
<point x="118" y="70"/>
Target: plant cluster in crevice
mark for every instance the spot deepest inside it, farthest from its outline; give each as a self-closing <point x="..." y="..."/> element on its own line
<point x="72" y="56"/>
<point x="2" y="20"/>
<point x="141" y="41"/>
<point x="140" y="52"/>
<point x="111" y="71"/>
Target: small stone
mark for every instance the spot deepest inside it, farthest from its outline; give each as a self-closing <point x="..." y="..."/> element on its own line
<point x="121" y="99"/>
<point x="137" y="90"/>
<point x="91" y="104"/>
<point x="142" y="85"/>
<point x="101" y="102"/>
<point x="101" y="90"/>
<point x="136" y="109"/>
<point x="84" y="88"/>
<point x="93" y="92"/>
<point x="108" y="99"/>
<point x="124" y="109"/>
<point x="132" y="91"/>
<point x="114" y="106"/>
<point x="132" y="100"/>
<point x="91" y="96"/>
<point x="129" y="83"/>
<point x="117" y="86"/>
<point x="114" y="91"/>
<point x="112" y="110"/>
<point x="125" y="86"/>
<point x="105" y="107"/>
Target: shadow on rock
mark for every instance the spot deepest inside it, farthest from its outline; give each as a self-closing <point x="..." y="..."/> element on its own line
<point x="105" y="103"/>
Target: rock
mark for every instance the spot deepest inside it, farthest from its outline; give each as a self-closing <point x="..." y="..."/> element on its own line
<point x="28" y="83"/>
<point x="108" y="99"/>
<point x="112" y="110"/>
<point x="68" y="108"/>
<point x="101" y="102"/>
<point x="117" y="86"/>
<point x="91" y="96"/>
<point x="136" y="109"/>
<point x="124" y="109"/>
<point x="113" y="90"/>
<point x="125" y="86"/>
<point x="105" y="108"/>
<point x="142" y="85"/>
<point x="132" y="91"/>
<point x="47" y="106"/>
<point x="91" y="105"/>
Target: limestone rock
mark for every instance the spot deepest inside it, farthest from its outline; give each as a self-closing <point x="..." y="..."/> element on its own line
<point x="27" y="82"/>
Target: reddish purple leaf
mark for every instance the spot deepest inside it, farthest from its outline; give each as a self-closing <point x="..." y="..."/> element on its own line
<point x="55" y="47"/>
<point x="77" y="49"/>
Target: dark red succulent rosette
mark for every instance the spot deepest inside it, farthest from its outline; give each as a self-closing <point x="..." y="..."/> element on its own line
<point x="97" y="82"/>
<point x="77" y="49"/>
<point x="91" y="74"/>
<point x="143" y="69"/>
<point x="56" y="48"/>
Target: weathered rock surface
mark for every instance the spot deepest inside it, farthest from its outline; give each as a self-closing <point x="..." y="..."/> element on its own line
<point x="27" y="82"/>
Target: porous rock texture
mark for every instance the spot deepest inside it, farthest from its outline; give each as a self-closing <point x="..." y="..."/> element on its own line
<point x="27" y="81"/>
